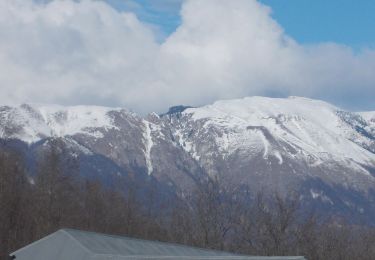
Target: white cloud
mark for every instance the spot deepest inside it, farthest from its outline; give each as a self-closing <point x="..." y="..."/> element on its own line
<point x="64" y="51"/>
<point x="87" y="52"/>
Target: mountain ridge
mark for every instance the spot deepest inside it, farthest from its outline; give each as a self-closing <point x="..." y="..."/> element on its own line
<point x="273" y="144"/>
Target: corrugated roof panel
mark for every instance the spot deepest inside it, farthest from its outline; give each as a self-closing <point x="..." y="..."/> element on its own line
<point x="107" y="244"/>
<point x="80" y="245"/>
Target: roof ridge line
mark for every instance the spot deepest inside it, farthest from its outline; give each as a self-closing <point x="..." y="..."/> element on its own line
<point x="80" y="244"/>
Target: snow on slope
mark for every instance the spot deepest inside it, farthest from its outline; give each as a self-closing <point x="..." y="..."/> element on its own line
<point x="278" y="128"/>
<point x="312" y="127"/>
<point x="369" y="115"/>
<point x="72" y="120"/>
<point x="148" y="143"/>
<point x="370" y="119"/>
<point x="31" y="123"/>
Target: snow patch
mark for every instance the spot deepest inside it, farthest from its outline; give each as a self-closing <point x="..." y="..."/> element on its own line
<point x="314" y="194"/>
<point x="148" y="142"/>
<point x="31" y="180"/>
<point x="265" y="143"/>
<point x="279" y="157"/>
<point x="187" y="145"/>
<point x="320" y="195"/>
<point x="73" y="143"/>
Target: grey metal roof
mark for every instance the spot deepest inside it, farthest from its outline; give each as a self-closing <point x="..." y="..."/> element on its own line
<point x="80" y="245"/>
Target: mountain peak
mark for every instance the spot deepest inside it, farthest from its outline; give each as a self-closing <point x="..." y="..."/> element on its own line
<point x="176" y="110"/>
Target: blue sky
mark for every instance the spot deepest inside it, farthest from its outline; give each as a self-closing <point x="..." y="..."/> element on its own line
<point x="349" y="22"/>
<point x="162" y="13"/>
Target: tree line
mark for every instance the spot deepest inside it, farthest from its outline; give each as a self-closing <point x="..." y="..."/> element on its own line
<point x="213" y="216"/>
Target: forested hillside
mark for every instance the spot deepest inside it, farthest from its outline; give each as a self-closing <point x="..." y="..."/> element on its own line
<point x="212" y="216"/>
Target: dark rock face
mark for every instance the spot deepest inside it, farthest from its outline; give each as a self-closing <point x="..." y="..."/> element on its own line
<point x="176" y="110"/>
<point x="324" y="153"/>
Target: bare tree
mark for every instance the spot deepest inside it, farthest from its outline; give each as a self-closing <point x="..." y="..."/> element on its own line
<point x="13" y="202"/>
<point x="214" y="216"/>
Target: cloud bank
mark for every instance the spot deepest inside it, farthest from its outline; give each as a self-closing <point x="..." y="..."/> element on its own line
<point x="87" y="52"/>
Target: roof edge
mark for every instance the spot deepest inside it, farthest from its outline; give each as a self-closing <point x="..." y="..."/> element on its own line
<point x="37" y="242"/>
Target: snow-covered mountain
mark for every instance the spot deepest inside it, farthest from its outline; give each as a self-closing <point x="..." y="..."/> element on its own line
<point x="272" y="144"/>
<point x="128" y="140"/>
<point x="292" y="137"/>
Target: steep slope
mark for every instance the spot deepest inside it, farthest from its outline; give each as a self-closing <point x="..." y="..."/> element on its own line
<point x="277" y="130"/>
<point x="132" y="143"/>
<point x="281" y="145"/>
<point x="270" y="144"/>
